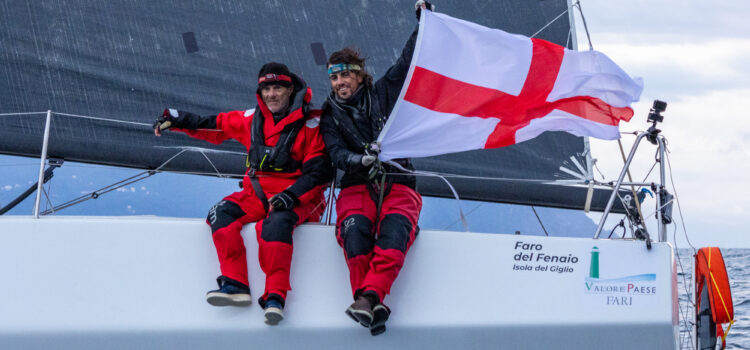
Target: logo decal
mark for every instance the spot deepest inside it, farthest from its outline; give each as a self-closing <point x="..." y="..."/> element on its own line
<point x="348" y="223"/>
<point x="618" y="290"/>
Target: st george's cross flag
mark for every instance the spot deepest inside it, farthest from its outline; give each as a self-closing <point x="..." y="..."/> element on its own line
<point x="472" y="87"/>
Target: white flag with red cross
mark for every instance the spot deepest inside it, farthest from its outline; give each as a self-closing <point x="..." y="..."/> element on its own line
<point x="472" y="87"/>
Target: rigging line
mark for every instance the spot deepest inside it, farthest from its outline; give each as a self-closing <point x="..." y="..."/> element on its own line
<point x="101" y="119"/>
<point x="161" y="171"/>
<point x="471" y="177"/>
<point x="596" y="166"/>
<point x="22" y="113"/>
<point x="318" y="206"/>
<point x="114" y="120"/>
<point x="212" y="164"/>
<point x="96" y="193"/>
<point x="632" y="188"/>
<point x="686" y="286"/>
<point x="453" y="190"/>
<point x="204" y="173"/>
<point x="552" y="21"/>
<point x="677" y="200"/>
<point x="586" y="27"/>
<point x="467" y="214"/>
<point x="679" y="261"/>
<point x="649" y="172"/>
<point x="540" y="221"/>
<point x="63" y="206"/>
<point x="149" y="172"/>
<point x="201" y="149"/>
<point x="658" y="208"/>
<point x="46" y="195"/>
<point x="119" y="184"/>
<point x="21" y="164"/>
<point x="170" y="159"/>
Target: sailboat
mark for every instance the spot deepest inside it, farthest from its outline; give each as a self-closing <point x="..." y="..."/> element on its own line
<point x="99" y="71"/>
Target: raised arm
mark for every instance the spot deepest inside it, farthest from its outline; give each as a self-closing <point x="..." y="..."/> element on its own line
<point x="215" y="128"/>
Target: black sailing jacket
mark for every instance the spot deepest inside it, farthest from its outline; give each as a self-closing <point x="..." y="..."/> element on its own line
<point x="345" y="137"/>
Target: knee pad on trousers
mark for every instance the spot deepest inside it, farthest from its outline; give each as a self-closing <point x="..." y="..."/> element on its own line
<point x="356" y="233"/>
<point x="278" y="226"/>
<point x="223" y="214"/>
<point x="394" y="232"/>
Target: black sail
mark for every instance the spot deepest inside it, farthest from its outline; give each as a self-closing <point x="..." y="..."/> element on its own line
<point x="108" y="68"/>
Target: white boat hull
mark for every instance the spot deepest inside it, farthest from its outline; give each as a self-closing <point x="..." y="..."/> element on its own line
<point x="140" y="282"/>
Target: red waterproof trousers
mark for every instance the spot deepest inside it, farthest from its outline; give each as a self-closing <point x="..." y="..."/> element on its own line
<point x="274" y="233"/>
<point x="375" y="248"/>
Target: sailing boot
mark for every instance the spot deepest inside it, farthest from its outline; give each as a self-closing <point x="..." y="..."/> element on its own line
<point x="361" y="310"/>
<point x="274" y="311"/>
<point x="230" y="293"/>
<point x="380" y="315"/>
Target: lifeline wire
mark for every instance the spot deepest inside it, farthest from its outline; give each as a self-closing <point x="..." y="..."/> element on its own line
<point x="21" y="113"/>
<point x="99" y="192"/>
<point x="439" y="175"/>
<point x="425" y="173"/>
<point x="95" y="194"/>
<point x="88" y="117"/>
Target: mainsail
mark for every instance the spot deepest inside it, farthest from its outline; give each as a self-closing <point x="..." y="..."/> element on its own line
<point x="108" y="68"/>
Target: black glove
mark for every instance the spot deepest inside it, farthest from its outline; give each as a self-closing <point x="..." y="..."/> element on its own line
<point x="427" y="4"/>
<point x="365" y="160"/>
<point x="284" y="200"/>
<point x="163" y="122"/>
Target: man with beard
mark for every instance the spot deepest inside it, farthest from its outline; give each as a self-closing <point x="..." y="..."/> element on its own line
<point x="283" y="186"/>
<point x="377" y="214"/>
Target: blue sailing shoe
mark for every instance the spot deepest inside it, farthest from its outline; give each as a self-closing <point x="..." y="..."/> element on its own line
<point x="274" y="312"/>
<point x="230" y="293"/>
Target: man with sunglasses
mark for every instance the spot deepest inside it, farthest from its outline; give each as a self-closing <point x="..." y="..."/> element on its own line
<point x="378" y="206"/>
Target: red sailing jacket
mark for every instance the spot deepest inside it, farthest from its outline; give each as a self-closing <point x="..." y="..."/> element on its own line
<point x="307" y="182"/>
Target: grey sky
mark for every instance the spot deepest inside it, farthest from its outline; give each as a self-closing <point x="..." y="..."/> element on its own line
<point x="695" y="55"/>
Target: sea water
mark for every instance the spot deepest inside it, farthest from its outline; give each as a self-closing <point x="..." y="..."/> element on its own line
<point x="737" y="262"/>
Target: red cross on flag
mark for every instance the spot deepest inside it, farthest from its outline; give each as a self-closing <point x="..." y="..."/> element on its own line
<point x="472" y="87"/>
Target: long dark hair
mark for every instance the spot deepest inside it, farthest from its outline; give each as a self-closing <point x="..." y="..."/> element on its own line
<point x="350" y="55"/>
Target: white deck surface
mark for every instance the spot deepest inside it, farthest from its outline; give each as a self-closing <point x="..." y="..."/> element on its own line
<point x="140" y="283"/>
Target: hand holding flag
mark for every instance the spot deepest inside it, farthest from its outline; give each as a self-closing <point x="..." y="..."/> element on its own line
<point x="472" y="87"/>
